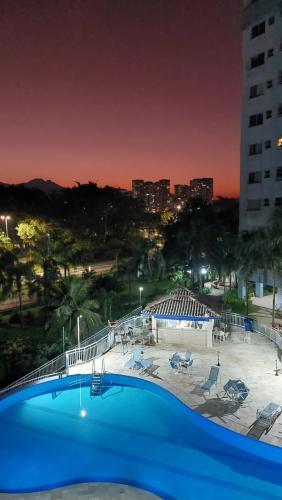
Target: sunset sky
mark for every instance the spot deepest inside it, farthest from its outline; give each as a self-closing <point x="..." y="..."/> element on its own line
<point x="112" y="90"/>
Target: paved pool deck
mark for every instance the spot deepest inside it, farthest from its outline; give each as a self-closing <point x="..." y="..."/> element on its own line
<point x="253" y="362"/>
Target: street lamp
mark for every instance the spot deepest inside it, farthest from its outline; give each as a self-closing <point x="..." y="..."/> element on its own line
<point x="203" y="272"/>
<point x="78" y="330"/>
<point x="6" y="218"/>
<point x="140" y="295"/>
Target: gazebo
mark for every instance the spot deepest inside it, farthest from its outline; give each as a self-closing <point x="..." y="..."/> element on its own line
<point x="178" y="318"/>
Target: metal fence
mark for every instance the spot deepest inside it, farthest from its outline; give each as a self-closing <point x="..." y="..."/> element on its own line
<point x="92" y="347"/>
<point x="267" y="331"/>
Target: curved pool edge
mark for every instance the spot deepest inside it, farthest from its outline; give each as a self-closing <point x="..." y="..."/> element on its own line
<point x="250" y="446"/>
<point x="95" y="489"/>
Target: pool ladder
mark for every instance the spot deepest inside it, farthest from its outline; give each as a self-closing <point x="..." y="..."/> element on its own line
<point x="97" y="380"/>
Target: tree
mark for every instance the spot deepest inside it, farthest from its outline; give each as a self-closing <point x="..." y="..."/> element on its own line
<point x="31" y="230"/>
<point x="262" y="251"/>
<point x="5" y="242"/>
<point x="17" y="276"/>
<point x="72" y="299"/>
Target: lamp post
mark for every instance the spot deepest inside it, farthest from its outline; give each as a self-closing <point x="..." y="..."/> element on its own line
<point x="6" y="218"/>
<point x="63" y="339"/>
<point x="78" y="330"/>
<point x="140" y="295"/>
<point x="203" y="272"/>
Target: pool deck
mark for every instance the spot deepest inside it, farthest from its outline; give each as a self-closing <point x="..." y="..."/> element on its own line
<point x="253" y="362"/>
<point x="88" y="491"/>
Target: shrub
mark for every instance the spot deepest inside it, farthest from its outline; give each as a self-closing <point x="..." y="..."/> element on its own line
<point x="15" y="318"/>
<point x="230" y="299"/>
<point x="28" y="317"/>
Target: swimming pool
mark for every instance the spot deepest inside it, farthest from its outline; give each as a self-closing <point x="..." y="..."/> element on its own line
<point x="54" y="433"/>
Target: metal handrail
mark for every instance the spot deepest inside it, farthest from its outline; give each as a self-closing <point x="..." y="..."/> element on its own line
<point x="267" y="331"/>
<point x="59" y="364"/>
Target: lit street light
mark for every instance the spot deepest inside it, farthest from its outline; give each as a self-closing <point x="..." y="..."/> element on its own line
<point x="140" y="295"/>
<point x="6" y="218"/>
<point x="203" y="272"/>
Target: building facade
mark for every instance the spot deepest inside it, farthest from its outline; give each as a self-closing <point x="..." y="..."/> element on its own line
<point x="261" y="137"/>
<point x="182" y="194"/>
<point x="155" y="196"/>
<point x="261" y="141"/>
<point x="202" y="188"/>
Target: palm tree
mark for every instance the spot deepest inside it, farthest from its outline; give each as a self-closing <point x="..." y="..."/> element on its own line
<point x="15" y="277"/>
<point x="72" y="296"/>
<point x="262" y="251"/>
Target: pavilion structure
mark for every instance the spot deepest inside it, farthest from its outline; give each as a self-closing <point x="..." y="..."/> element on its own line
<point x="178" y="318"/>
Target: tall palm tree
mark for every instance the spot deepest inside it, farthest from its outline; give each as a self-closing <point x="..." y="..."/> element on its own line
<point x="72" y="300"/>
<point x="15" y="277"/>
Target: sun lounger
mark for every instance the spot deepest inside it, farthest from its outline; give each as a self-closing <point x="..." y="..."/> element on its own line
<point x="267" y="415"/>
<point x="145" y="365"/>
<point x="211" y="380"/>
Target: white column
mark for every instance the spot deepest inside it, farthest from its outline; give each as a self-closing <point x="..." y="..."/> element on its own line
<point x="259" y="289"/>
<point x="154" y="328"/>
<point x="241" y="288"/>
<point x="279" y="298"/>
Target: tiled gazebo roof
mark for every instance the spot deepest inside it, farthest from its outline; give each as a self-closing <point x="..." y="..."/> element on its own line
<point x="179" y="304"/>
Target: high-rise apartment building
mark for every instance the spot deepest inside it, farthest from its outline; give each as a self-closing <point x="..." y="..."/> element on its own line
<point x="261" y="143"/>
<point x="154" y="195"/>
<point x="138" y="188"/>
<point x="202" y="188"/>
<point x="182" y="193"/>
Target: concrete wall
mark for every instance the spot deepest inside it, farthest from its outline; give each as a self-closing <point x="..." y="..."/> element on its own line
<point x="193" y="337"/>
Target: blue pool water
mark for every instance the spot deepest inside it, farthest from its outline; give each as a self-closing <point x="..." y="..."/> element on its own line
<point x="136" y="433"/>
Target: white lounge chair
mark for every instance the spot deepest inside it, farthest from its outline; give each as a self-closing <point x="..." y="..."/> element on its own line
<point x="267" y="415"/>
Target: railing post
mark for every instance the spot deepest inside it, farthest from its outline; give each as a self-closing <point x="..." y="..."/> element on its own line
<point x="67" y="362"/>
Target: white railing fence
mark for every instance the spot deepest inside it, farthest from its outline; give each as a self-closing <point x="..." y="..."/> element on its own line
<point x="267" y="331"/>
<point x="94" y="346"/>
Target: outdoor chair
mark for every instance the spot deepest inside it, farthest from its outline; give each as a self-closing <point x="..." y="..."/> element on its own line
<point x="187" y="356"/>
<point x="174" y="361"/>
<point x="135" y="361"/>
<point x="145" y="365"/>
<point x="187" y="364"/>
<point x="211" y="380"/>
<point x="236" y="390"/>
<point x="267" y="415"/>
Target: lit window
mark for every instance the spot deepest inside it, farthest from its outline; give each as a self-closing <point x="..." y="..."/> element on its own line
<point x="267" y="144"/>
<point x="279" y="142"/>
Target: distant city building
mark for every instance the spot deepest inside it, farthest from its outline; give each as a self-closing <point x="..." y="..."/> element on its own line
<point x="182" y="194"/>
<point x="202" y="188"/>
<point x="261" y="136"/>
<point x="155" y="196"/>
<point x="138" y="188"/>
